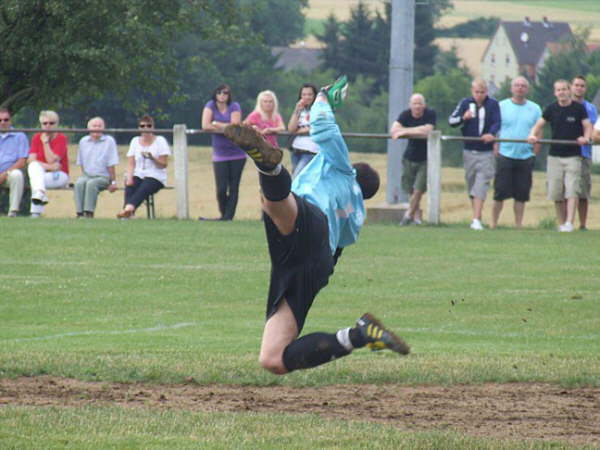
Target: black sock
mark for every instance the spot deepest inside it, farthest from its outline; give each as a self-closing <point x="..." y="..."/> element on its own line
<point x="276" y="187"/>
<point x="312" y="350"/>
<point x="357" y="339"/>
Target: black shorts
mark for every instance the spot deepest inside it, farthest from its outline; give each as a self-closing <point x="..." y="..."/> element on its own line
<point x="513" y="178"/>
<point x="301" y="262"/>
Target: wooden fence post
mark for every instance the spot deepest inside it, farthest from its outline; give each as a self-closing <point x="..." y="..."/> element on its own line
<point x="181" y="170"/>
<point x="434" y="175"/>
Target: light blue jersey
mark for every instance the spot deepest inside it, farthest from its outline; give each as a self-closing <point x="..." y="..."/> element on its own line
<point x="517" y="121"/>
<point x="329" y="180"/>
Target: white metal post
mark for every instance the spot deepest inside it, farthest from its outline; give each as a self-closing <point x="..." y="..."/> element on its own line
<point x="181" y="170"/>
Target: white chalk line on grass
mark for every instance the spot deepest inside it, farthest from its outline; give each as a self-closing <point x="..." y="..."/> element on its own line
<point x="220" y="267"/>
<point x="585" y="337"/>
<point x="104" y="333"/>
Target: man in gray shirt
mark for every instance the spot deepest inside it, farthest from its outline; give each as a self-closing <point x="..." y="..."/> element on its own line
<point x="97" y="155"/>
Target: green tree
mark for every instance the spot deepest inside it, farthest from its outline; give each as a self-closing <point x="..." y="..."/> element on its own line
<point x="361" y="45"/>
<point x="280" y="22"/>
<point x="54" y="50"/>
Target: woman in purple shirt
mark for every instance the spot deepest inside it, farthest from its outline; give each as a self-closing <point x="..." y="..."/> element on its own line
<point x="228" y="159"/>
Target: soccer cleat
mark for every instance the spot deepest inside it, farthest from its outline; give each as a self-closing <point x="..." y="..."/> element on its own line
<point x="378" y="337"/>
<point x="252" y="142"/>
<point x="337" y="92"/>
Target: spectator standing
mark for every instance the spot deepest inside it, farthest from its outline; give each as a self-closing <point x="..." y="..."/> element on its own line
<point x="14" y="149"/>
<point x="147" y="161"/>
<point x="48" y="162"/>
<point x="228" y="159"/>
<point x="515" y="160"/>
<point x="303" y="147"/>
<point x="579" y="88"/>
<point x="97" y="156"/>
<point x="266" y="118"/>
<point x="415" y="122"/>
<point x="478" y="116"/>
<point x="568" y="121"/>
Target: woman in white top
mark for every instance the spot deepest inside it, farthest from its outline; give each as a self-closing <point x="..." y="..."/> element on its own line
<point x="303" y="147"/>
<point x="147" y="161"/>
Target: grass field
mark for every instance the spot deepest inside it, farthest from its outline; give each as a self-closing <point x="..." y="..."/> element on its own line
<point x="145" y="334"/>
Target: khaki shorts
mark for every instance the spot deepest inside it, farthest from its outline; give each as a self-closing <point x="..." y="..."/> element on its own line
<point x="414" y="176"/>
<point x="479" y="172"/>
<point x="586" y="178"/>
<point x="564" y="177"/>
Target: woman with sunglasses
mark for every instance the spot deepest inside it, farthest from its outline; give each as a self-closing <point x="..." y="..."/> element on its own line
<point x="228" y="159"/>
<point x="147" y="161"/>
<point x="48" y="162"/>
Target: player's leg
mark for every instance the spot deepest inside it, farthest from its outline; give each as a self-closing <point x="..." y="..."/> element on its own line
<point x="275" y="181"/>
<point x="319" y="348"/>
<point x="280" y="330"/>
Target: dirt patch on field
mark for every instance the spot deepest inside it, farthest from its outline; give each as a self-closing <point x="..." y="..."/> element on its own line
<point x="510" y="411"/>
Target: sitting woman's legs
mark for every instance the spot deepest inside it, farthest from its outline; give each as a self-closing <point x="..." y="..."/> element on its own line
<point x="141" y="190"/>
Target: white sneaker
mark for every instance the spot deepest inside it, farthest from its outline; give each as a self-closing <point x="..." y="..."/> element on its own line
<point x="417" y="221"/>
<point x="566" y="227"/>
<point x="476" y="225"/>
<point x="35" y="215"/>
<point x="406" y="220"/>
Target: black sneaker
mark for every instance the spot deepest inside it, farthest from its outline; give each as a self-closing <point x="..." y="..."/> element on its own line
<point x="252" y="142"/>
<point x="378" y="337"/>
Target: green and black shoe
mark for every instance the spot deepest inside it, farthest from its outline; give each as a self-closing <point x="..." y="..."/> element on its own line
<point x="251" y="141"/>
<point x="378" y="337"/>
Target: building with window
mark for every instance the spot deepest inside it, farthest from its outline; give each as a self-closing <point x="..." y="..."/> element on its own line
<point x="521" y="48"/>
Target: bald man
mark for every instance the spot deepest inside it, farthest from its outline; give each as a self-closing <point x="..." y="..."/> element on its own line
<point x="515" y="160"/>
<point x="415" y="122"/>
<point x="97" y="155"/>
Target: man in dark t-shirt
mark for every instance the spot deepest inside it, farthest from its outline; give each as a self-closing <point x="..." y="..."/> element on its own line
<point x="568" y="121"/>
<point x="415" y="122"/>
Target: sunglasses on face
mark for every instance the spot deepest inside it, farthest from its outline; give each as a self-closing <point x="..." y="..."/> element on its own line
<point x="48" y="123"/>
<point x="5" y="120"/>
<point x="145" y="125"/>
<point x="223" y="92"/>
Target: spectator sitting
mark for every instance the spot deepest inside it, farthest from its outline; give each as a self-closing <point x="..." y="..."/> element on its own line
<point x="147" y="161"/>
<point x="303" y="147"/>
<point x="97" y="155"/>
<point x="48" y="162"/>
<point x="478" y="116"/>
<point x="416" y="121"/>
<point x="228" y="159"/>
<point x="266" y="118"/>
<point x="14" y="148"/>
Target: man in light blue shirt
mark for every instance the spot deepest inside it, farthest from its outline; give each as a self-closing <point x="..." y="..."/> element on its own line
<point x="515" y="160"/>
<point x="14" y="149"/>
<point x="97" y="155"/>
<point x="578" y="90"/>
<point x="307" y="224"/>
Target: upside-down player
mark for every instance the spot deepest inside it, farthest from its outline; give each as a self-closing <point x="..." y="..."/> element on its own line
<point x="307" y="225"/>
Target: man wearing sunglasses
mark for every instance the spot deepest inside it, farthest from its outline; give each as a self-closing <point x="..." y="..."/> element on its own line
<point x="14" y="149"/>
